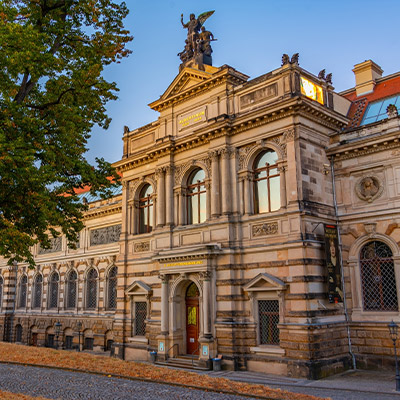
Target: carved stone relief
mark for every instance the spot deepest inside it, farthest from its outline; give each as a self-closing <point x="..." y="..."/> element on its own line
<point x="264" y="229"/>
<point x="141" y="246"/>
<point x="369" y="188"/>
<point x="55" y="245"/>
<point x="110" y="234"/>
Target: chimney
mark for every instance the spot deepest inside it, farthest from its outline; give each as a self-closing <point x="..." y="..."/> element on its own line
<point x="366" y="74"/>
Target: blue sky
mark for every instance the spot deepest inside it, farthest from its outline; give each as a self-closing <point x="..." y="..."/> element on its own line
<point x="252" y="36"/>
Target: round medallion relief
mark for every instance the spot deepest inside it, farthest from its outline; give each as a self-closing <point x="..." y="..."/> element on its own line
<point x="369" y="188"/>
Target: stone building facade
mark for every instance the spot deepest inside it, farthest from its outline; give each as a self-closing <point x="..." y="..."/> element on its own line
<point x="222" y="247"/>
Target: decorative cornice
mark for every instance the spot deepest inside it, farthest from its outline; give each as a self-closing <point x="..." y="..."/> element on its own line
<point x="101" y="212"/>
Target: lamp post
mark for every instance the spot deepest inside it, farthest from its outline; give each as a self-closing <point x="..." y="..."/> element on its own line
<point x="393" y="332"/>
<point x="57" y="328"/>
<point x="79" y="326"/>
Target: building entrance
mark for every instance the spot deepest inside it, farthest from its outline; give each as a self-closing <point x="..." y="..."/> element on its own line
<point x="192" y="319"/>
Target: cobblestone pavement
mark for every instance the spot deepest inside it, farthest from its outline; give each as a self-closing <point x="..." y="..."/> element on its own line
<point x="58" y="384"/>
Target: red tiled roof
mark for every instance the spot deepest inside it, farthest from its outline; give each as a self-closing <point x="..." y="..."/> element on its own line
<point x="385" y="88"/>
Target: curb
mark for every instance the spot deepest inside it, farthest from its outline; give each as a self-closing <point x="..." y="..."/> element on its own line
<point x="133" y="378"/>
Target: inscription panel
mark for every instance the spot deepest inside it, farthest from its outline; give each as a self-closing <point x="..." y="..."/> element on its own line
<point x="55" y="246"/>
<point x="192" y="118"/>
<point x="258" y="95"/>
<point x="265" y="229"/>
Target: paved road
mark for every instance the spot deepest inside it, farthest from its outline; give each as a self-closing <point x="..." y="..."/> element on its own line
<point x="58" y="384"/>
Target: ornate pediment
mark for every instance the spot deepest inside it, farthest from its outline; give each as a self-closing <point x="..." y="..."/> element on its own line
<point x="264" y="282"/>
<point x="138" y="288"/>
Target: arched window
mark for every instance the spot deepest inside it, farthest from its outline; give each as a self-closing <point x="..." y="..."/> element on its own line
<point x="1" y="291"/>
<point x="71" y="289"/>
<point x="112" y="289"/>
<point x="91" y="289"/>
<point x="37" y="292"/>
<point x="146" y="209"/>
<point x="267" y="194"/>
<point x="196" y="200"/>
<point x="23" y="286"/>
<point x="378" y="278"/>
<point x="53" y="290"/>
<point x="18" y="333"/>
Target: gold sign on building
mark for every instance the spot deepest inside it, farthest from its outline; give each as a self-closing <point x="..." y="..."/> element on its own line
<point x="311" y="90"/>
<point x="192" y="118"/>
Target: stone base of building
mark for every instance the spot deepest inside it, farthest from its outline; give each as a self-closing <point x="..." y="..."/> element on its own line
<point x="375" y="362"/>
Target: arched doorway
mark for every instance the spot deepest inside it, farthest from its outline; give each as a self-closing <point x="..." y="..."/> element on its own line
<point x="192" y="319"/>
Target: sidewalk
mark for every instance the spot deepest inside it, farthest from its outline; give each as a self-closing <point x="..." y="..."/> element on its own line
<point x="367" y="384"/>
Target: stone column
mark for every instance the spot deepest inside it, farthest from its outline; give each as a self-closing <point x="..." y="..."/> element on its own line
<point x="282" y="169"/>
<point x="206" y="304"/>
<point x="169" y="196"/>
<point x="208" y="199"/>
<point x="248" y="201"/>
<point x="215" y="186"/>
<point x="160" y="197"/>
<point x="182" y="206"/>
<point x="164" y="305"/>
<point x="226" y="188"/>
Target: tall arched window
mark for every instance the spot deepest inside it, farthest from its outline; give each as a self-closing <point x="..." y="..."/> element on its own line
<point x="267" y="194"/>
<point x="146" y="209"/>
<point x="378" y="278"/>
<point x="1" y="291"/>
<point x="196" y="200"/>
<point x="112" y="289"/>
<point x="53" y="290"/>
<point x="37" y="292"/>
<point x="23" y="288"/>
<point x="71" y="289"/>
<point x="91" y="289"/>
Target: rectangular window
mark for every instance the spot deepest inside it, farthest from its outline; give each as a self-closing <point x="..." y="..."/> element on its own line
<point x="268" y="317"/>
<point x="89" y="343"/>
<point x="68" y="342"/>
<point x="140" y="318"/>
<point x="50" y="340"/>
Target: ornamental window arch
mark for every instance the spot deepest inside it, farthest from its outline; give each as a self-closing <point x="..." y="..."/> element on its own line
<point x="71" y="288"/>
<point x="111" y="287"/>
<point x="37" y="291"/>
<point x="91" y="288"/>
<point x="54" y="287"/>
<point x="262" y="175"/>
<point x="22" y="291"/>
<point x="374" y="261"/>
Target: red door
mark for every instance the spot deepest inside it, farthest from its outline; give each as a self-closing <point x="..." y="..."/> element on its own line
<point x="192" y="319"/>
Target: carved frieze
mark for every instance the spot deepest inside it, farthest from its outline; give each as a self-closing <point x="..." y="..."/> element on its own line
<point x="109" y="234"/>
<point x="369" y="188"/>
<point x="266" y="229"/>
<point x="55" y="245"/>
<point x="141" y="246"/>
<point x="258" y="95"/>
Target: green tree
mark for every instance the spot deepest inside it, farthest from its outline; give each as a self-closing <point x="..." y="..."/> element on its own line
<point x="52" y="92"/>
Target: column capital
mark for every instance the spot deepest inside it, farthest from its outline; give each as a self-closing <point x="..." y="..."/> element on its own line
<point x="164" y="278"/>
<point x="205" y="275"/>
<point x="169" y="169"/>
<point x="213" y="155"/>
<point x="227" y="152"/>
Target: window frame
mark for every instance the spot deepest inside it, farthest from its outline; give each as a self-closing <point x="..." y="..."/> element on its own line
<point x="68" y="287"/>
<point x="50" y="291"/>
<point x="95" y="282"/>
<point x="146" y="203"/>
<point x="192" y="194"/>
<point x="25" y="292"/>
<point x="35" y="292"/>
<point x="109" y="289"/>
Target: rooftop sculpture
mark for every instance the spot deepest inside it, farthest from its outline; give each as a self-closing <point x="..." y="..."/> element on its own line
<point x="197" y="44"/>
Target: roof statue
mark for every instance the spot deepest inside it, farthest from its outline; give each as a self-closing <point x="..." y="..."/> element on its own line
<point x="197" y="48"/>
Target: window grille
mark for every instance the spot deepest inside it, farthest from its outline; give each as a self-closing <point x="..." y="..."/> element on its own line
<point x="267" y="196"/>
<point x="37" y="292"/>
<point x="91" y="294"/>
<point x="140" y="318"/>
<point x="196" y="200"/>
<point x="1" y="291"/>
<point x="268" y="315"/>
<point x="146" y="209"/>
<point x="89" y="342"/>
<point x="68" y="342"/>
<point x="18" y="333"/>
<point x="71" y="289"/>
<point x="53" y="300"/>
<point x="378" y="278"/>
<point x="23" y="285"/>
<point x="112" y="289"/>
<point x="50" y="340"/>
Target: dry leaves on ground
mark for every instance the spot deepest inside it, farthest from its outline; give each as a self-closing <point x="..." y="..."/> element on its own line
<point x="17" y="396"/>
<point x="113" y="366"/>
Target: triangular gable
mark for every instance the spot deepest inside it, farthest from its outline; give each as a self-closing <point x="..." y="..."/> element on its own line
<point x="187" y="78"/>
<point x="137" y="288"/>
<point x="264" y="282"/>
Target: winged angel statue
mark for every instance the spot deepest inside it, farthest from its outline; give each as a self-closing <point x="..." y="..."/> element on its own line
<point x="197" y="42"/>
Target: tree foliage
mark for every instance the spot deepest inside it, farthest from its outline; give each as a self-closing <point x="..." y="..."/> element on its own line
<point x="52" y="92"/>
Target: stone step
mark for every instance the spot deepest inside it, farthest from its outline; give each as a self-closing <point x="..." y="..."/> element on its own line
<point x="182" y="362"/>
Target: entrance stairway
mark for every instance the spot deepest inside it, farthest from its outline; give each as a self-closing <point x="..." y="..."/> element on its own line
<point x="183" y="362"/>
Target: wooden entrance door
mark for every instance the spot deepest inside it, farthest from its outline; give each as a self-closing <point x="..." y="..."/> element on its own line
<point x="192" y="319"/>
<point x="34" y="339"/>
